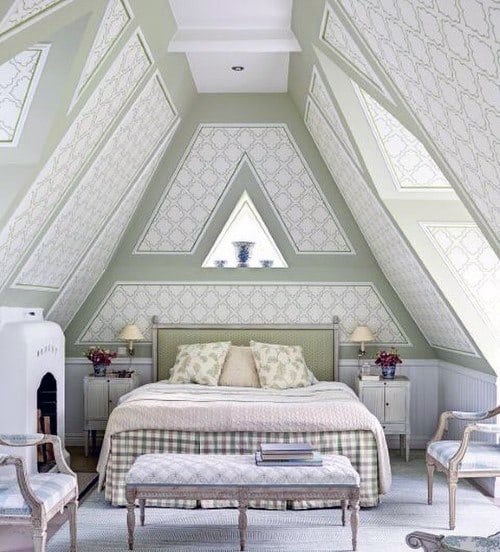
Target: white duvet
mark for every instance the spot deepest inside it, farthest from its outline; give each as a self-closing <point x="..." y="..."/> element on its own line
<point x="325" y="406"/>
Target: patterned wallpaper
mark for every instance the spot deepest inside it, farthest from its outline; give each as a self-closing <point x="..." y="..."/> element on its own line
<point x="411" y="166"/>
<point x="319" y="92"/>
<point x="97" y="259"/>
<point x="245" y="303"/>
<point x="337" y="37"/>
<point x="208" y="168"/>
<point x="18" y="81"/>
<point x="100" y="191"/>
<point x="24" y="10"/>
<point x="398" y="262"/>
<point x="444" y="59"/>
<point x="70" y="155"/>
<point x="473" y="263"/>
<point x="113" y="23"/>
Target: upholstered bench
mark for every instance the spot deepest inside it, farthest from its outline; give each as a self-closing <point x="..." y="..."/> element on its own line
<point x="236" y="477"/>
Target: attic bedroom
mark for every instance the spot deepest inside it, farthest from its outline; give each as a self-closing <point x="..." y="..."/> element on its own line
<point x="249" y="275"/>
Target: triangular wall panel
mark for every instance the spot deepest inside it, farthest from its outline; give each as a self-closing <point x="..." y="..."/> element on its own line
<point x="24" y="11"/>
<point x="208" y="167"/>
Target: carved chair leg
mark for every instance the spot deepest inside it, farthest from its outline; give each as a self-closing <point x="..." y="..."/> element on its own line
<point x="39" y="539"/>
<point x="72" y="507"/>
<point x="430" y="481"/>
<point x="452" y="493"/>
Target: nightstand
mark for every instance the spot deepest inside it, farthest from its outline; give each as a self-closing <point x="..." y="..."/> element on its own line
<point x="389" y="401"/>
<point x="100" y="397"/>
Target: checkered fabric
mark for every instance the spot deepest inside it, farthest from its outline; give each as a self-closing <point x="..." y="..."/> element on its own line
<point x="358" y="446"/>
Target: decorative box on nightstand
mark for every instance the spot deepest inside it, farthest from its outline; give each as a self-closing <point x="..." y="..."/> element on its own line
<point x="100" y="397"/>
<point x="389" y="401"/>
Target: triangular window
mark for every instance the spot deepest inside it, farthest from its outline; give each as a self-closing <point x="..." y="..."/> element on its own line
<point x="245" y="225"/>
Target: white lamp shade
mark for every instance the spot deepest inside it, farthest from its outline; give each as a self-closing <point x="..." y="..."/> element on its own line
<point x="362" y="334"/>
<point x="131" y="333"/>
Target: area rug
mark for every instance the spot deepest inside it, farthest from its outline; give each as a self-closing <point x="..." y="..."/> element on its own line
<point x="103" y="528"/>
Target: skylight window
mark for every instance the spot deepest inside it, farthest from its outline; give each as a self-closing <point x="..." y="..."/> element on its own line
<point x="18" y="81"/>
<point x="411" y="165"/>
<point x="245" y="225"/>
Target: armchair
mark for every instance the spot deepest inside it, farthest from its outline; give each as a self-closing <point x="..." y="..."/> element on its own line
<point x="34" y="500"/>
<point x="462" y="459"/>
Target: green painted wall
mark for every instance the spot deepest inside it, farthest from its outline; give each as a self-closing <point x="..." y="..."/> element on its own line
<point x="242" y="108"/>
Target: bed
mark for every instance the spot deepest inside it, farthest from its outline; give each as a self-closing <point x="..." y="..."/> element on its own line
<point x="190" y="418"/>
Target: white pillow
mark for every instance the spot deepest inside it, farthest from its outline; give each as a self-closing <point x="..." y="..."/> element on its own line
<point x="199" y="363"/>
<point x="239" y="369"/>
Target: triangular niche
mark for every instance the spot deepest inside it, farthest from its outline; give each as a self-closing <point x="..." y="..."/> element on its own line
<point x="245" y="224"/>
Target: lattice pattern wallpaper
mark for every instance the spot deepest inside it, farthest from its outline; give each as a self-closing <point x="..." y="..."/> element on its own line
<point x="444" y="58"/>
<point x="409" y="280"/>
<point x="337" y="37"/>
<point x="92" y="266"/>
<point x="70" y="155"/>
<point x="318" y="91"/>
<point x="114" y="21"/>
<point x="473" y="263"/>
<point x="99" y="192"/>
<point x="207" y="169"/>
<point x="18" y="80"/>
<point x="244" y="304"/>
<point x="23" y="10"/>
<point x="411" y="166"/>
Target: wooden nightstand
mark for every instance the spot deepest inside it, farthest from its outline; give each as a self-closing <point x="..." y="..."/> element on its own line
<point x="389" y="401"/>
<point x="100" y="397"/>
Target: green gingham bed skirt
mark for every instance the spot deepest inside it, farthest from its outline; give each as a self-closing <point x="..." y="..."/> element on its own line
<point x="359" y="446"/>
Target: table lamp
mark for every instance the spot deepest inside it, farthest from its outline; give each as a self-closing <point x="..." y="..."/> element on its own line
<point x="361" y="335"/>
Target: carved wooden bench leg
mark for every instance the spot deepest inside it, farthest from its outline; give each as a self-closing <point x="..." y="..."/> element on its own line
<point x="142" y="506"/>
<point x="354" y="505"/>
<point x="242" y="522"/>
<point x="343" y="504"/>
<point x="130" y="524"/>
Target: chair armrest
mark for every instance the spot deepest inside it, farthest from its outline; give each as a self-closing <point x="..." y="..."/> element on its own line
<point x="22" y="480"/>
<point x="487" y="428"/>
<point x="470" y="416"/>
<point x="30" y="440"/>
<point x="459" y="415"/>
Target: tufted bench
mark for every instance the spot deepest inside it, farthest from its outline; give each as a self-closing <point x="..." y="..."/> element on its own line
<point x="236" y="477"/>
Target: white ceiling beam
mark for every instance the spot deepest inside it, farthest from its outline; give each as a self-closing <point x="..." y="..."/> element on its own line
<point x="234" y="40"/>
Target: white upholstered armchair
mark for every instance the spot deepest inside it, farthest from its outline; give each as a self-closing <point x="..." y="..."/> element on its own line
<point x="463" y="459"/>
<point x="33" y="500"/>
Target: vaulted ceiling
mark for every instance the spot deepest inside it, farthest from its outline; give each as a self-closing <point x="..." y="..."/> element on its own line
<point x="401" y="99"/>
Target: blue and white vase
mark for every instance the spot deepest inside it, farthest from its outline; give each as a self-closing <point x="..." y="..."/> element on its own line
<point x="243" y="252"/>
<point x="100" y="370"/>
<point x="388" y="372"/>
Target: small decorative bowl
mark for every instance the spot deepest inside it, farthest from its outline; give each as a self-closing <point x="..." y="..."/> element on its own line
<point x="220" y="263"/>
<point x="266" y="263"/>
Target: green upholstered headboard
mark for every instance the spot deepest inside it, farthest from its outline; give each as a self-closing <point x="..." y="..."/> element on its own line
<point x="320" y="343"/>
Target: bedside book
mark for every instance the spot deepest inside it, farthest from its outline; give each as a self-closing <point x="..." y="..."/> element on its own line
<point x="316" y="460"/>
<point x="283" y="448"/>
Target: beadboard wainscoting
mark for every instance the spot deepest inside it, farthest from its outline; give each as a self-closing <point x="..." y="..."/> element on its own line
<point x="435" y="386"/>
<point x="464" y="389"/>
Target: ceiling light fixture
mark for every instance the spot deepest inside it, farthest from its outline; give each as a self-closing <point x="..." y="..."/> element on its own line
<point x="237" y="68"/>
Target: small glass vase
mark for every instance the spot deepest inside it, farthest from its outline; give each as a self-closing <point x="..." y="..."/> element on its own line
<point x="388" y="372"/>
<point x="100" y="370"/>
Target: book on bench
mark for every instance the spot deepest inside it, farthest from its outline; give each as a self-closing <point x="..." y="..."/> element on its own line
<point x="286" y="451"/>
<point x="314" y="460"/>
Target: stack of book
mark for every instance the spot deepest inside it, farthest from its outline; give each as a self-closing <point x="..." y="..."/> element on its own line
<point x="287" y="454"/>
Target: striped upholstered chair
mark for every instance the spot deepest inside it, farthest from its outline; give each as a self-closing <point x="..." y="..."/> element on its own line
<point x="463" y="459"/>
<point x="33" y="500"/>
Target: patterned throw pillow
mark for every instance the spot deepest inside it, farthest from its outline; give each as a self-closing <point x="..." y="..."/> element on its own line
<point x="199" y="363"/>
<point x="280" y="366"/>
